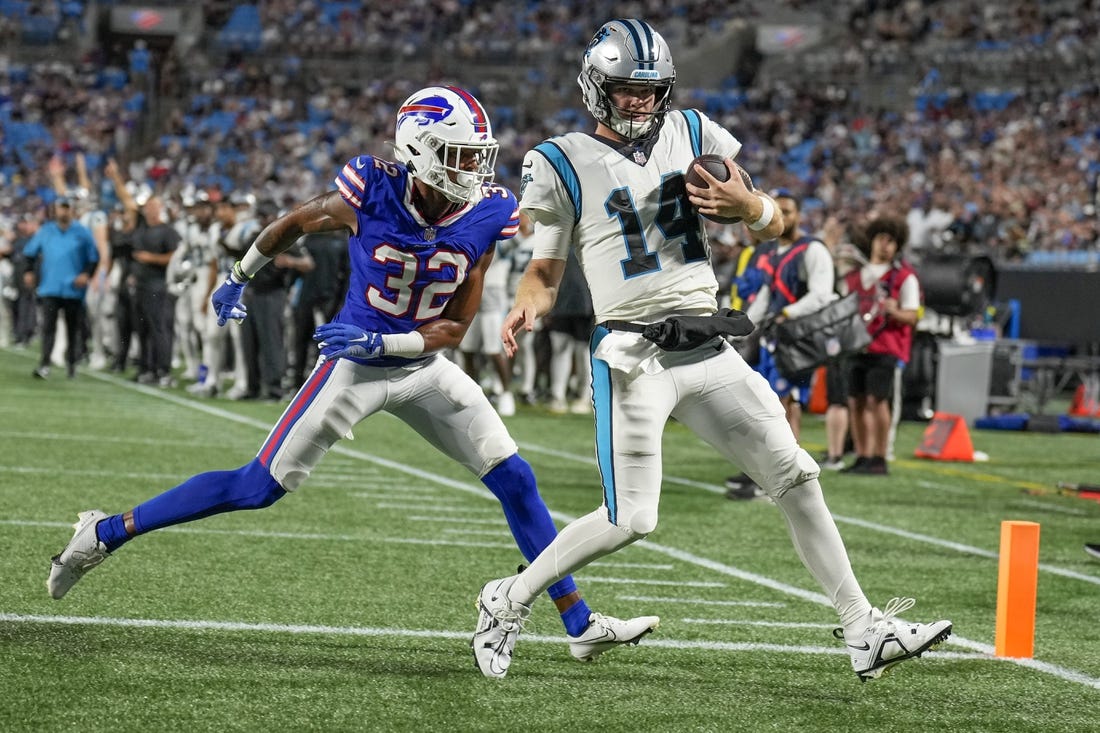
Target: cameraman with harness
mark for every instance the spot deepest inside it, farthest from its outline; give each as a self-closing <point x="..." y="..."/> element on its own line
<point x="798" y="279"/>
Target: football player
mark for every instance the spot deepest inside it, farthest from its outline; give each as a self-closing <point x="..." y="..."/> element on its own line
<point x="619" y="199"/>
<point x="422" y="236"/>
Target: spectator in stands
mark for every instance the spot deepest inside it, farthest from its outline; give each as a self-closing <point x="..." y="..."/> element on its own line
<point x="60" y="258"/>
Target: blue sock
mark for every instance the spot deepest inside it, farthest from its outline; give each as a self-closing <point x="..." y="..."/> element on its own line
<point x="575" y="618"/>
<point x="513" y="482"/>
<point x="248" y="487"/>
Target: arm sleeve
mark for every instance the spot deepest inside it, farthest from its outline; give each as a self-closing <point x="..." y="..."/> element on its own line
<point x="717" y="139"/>
<point x="820" y="279"/>
<point x="511" y="227"/>
<point x="30" y="251"/>
<point x="353" y="179"/>
<point x="909" y="294"/>
<point x="552" y="236"/>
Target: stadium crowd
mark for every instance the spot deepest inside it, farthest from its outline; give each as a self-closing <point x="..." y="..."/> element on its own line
<point x="1011" y="171"/>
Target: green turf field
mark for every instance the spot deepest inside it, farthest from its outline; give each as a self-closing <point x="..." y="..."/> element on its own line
<point x="349" y="605"/>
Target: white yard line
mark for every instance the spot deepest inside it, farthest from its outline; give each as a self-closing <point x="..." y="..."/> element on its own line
<point x="749" y="622"/>
<point x="701" y="601"/>
<point x="640" y="565"/>
<point x="968" y="549"/>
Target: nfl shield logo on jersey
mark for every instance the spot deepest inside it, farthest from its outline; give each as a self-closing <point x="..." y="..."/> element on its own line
<point x="639" y="157"/>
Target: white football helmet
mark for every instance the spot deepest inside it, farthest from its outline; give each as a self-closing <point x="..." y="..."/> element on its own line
<point x="627" y="51"/>
<point x="444" y="139"/>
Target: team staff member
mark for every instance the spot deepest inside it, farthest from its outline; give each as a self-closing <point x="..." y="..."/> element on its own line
<point x="60" y="258"/>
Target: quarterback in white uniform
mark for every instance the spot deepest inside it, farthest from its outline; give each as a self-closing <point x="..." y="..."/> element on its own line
<point x="619" y="198"/>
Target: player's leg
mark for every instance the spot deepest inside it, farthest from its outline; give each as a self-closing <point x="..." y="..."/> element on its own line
<point x="630" y="417"/>
<point x="451" y="412"/>
<point x="630" y="414"/>
<point x="739" y="414"/>
<point x="50" y="308"/>
<point x="561" y="368"/>
<point x="836" y="414"/>
<point x="881" y="377"/>
<point x="323" y="411"/>
<point x="736" y="411"/>
<point x="857" y="412"/>
<point x="73" y="311"/>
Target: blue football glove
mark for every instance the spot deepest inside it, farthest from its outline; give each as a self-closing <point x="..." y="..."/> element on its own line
<point x="227" y="301"/>
<point x="344" y="340"/>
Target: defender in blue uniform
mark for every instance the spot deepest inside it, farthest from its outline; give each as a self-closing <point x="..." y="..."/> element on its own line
<point x="422" y="236"/>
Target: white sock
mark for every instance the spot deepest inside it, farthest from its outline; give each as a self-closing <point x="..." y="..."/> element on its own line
<point x="579" y="543"/>
<point x="818" y="544"/>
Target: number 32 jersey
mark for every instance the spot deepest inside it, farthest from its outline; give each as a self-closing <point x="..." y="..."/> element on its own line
<point x="404" y="269"/>
<point x="641" y="245"/>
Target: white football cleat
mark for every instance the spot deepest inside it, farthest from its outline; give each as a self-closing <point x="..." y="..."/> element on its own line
<point x="83" y="553"/>
<point x="607" y="632"/>
<point x="889" y="640"/>
<point x="499" y="622"/>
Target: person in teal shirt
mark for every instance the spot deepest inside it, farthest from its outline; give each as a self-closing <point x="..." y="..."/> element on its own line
<point x="61" y="258"/>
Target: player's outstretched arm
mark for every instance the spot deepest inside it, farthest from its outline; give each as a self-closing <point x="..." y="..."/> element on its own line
<point x="325" y="213"/>
<point x="535" y="296"/>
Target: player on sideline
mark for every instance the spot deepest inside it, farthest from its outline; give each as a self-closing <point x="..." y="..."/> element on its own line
<point x="619" y="198"/>
<point x="422" y="235"/>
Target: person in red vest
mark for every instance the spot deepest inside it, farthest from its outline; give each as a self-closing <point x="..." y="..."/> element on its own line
<point x="891" y="300"/>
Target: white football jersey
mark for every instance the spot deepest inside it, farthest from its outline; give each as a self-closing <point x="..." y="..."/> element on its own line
<point x="643" y="249"/>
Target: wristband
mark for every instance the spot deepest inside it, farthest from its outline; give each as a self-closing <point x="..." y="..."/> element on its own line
<point x="765" y="215"/>
<point x="408" y="345"/>
<point x="252" y="262"/>
<point x="237" y="275"/>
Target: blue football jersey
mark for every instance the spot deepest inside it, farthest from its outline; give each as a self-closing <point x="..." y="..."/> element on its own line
<point x="405" y="269"/>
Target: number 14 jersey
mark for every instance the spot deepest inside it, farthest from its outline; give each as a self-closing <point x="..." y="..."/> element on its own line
<point x="640" y="243"/>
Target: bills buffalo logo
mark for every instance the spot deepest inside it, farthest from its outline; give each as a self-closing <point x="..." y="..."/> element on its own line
<point x="425" y="111"/>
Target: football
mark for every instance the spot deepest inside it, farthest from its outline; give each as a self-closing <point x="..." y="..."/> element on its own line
<point x="716" y="166"/>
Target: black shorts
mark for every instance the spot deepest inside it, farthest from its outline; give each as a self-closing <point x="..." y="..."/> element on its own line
<point x="871" y="375"/>
<point x="836" y="381"/>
